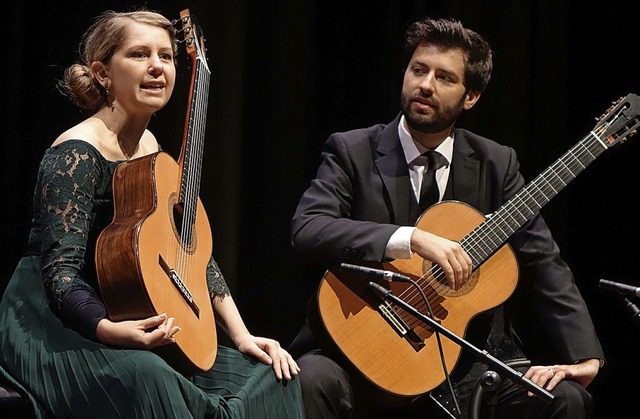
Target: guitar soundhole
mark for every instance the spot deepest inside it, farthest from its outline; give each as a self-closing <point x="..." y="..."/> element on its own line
<point x="436" y="279"/>
<point x="186" y="237"/>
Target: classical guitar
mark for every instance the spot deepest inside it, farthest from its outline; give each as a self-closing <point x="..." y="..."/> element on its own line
<point x="153" y="257"/>
<point x="398" y="354"/>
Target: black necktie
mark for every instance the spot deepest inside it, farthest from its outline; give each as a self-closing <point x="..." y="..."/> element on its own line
<point x="429" y="192"/>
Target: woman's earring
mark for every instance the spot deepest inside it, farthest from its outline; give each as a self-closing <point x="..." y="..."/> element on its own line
<point x="109" y="101"/>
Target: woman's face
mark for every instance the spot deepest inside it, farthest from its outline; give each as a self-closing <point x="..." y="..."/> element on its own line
<point x="142" y="72"/>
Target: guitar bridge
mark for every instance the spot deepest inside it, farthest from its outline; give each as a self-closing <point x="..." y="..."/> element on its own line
<point x="180" y="286"/>
<point x="396" y="322"/>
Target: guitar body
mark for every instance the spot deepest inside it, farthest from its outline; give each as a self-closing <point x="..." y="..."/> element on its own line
<point x="141" y="248"/>
<point x="409" y="365"/>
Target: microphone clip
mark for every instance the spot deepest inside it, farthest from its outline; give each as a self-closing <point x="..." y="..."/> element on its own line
<point x="374" y="274"/>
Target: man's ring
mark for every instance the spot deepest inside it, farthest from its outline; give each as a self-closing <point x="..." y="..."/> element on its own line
<point x="552" y="371"/>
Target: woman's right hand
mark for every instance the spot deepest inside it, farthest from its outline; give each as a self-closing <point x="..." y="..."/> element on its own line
<point x="138" y="334"/>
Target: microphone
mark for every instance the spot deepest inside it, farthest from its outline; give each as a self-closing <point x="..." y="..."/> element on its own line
<point x="375" y="274"/>
<point x="620" y="288"/>
<point x="381" y="291"/>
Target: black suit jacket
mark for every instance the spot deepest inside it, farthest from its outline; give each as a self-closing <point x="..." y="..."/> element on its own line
<point x="362" y="193"/>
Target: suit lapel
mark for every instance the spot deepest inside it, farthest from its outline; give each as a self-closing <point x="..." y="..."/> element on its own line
<point x="464" y="179"/>
<point x="392" y="166"/>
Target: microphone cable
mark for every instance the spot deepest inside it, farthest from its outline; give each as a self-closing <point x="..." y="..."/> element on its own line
<point x="443" y="361"/>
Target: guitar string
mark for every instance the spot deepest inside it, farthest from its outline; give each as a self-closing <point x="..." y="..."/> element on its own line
<point x="203" y="94"/>
<point x="189" y="207"/>
<point x="185" y="182"/>
<point x="192" y="173"/>
<point x="470" y="237"/>
<point x="576" y="159"/>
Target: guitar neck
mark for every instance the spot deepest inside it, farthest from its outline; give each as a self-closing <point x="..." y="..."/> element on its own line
<point x="192" y="152"/>
<point x="193" y="145"/>
<point x="490" y="235"/>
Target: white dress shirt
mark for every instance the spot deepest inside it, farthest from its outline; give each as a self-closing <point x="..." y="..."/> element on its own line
<point x="399" y="245"/>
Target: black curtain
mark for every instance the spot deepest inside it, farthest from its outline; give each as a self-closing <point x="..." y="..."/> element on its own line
<point x="285" y="74"/>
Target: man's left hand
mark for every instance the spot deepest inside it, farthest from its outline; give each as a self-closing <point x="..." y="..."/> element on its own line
<point x="549" y="376"/>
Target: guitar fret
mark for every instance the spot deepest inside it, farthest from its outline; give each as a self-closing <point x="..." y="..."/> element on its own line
<point x="550" y="185"/>
<point x="555" y="177"/>
<point x="590" y="153"/>
<point x="567" y="168"/>
<point x="502" y="231"/>
<point x="576" y="159"/>
<point x="541" y="192"/>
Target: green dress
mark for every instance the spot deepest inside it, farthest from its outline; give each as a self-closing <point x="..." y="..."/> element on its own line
<point x="66" y="374"/>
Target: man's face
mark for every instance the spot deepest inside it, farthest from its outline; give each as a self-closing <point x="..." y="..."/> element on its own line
<point x="433" y="90"/>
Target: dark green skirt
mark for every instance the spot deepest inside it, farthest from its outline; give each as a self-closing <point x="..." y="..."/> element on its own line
<point x="65" y="375"/>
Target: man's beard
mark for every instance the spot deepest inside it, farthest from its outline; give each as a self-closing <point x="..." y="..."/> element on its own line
<point x="443" y="118"/>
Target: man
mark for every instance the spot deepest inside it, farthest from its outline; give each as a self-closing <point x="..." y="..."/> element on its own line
<point x="363" y="206"/>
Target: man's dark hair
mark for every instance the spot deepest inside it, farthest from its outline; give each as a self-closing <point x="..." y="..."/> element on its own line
<point x="451" y="34"/>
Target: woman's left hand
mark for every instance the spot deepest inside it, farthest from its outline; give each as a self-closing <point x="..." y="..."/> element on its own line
<point x="269" y="352"/>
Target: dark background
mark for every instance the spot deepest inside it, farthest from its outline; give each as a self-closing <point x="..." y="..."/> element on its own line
<point x="288" y="73"/>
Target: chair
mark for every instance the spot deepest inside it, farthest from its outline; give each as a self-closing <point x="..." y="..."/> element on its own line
<point x="13" y="404"/>
<point x="484" y="397"/>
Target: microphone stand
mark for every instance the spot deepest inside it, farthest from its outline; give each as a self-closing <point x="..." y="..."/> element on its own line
<point x="500" y="367"/>
<point x="633" y="310"/>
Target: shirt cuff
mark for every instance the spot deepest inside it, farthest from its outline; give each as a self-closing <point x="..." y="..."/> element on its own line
<point x="399" y="244"/>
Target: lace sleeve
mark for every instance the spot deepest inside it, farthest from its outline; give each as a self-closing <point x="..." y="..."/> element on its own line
<point x="67" y="181"/>
<point x="215" y="281"/>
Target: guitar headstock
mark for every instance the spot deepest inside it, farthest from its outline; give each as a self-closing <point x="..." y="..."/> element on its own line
<point x="620" y="121"/>
<point x="193" y="37"/>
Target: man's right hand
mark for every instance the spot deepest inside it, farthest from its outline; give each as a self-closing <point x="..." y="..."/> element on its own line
<point x="449" y="255"/>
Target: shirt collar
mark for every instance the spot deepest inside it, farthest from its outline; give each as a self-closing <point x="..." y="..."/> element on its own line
<point x="413" y="149"/>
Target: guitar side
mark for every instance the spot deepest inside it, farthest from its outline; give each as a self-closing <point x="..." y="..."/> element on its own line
<point x="378" y="349"/>
<point x="141" y="247"/>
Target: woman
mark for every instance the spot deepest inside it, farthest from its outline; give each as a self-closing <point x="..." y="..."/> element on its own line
<point x="57" y="343"/>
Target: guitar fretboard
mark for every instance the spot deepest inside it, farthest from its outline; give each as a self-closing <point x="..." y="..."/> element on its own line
<point x="490" y="235"/>
<point x="194" y="148"/>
